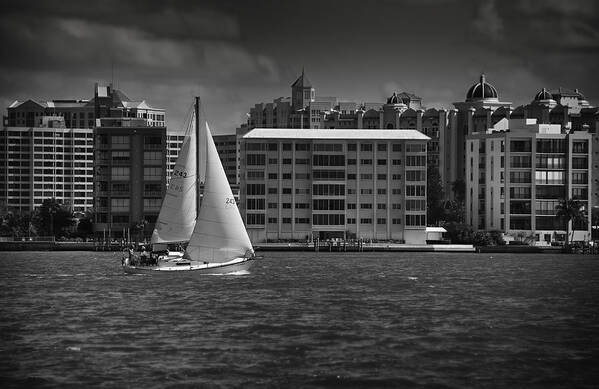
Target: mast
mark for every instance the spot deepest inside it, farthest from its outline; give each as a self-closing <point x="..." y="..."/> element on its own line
<point x="197" y="112"/>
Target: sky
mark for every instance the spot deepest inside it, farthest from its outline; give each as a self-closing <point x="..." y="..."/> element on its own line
<point x="234" y="54"/>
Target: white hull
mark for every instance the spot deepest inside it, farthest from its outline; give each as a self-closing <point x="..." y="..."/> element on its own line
<point x="233" y="266"/>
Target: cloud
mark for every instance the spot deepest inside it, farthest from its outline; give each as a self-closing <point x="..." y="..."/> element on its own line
<point x="487" y="22"/>
<point x="155" y="56"/>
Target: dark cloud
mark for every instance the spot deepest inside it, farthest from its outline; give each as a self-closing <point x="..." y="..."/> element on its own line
<point x="239" y="53"/>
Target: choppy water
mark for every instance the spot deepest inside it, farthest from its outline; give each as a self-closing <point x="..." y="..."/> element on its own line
<point x="303" y="320"/>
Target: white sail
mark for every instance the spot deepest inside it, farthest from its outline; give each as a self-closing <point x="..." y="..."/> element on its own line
<point x="219" y="234"/>
<point x="178" y="211"/>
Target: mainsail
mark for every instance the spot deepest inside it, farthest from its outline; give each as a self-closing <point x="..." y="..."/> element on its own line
<point x="178" y="211"/>
<point x="219" y="234"/>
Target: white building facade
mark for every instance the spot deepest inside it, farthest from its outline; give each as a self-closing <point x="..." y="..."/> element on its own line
<point x="326" y="184"/>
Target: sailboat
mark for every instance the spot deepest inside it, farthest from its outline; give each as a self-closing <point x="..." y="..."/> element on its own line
<point x="218" y="242"/>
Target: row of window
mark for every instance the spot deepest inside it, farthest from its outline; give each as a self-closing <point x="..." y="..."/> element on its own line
<point x="333" y="147"/>
<point x="331" y="160"/>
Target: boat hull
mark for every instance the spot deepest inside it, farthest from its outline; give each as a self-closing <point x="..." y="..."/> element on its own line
<point x="234" y="266"/>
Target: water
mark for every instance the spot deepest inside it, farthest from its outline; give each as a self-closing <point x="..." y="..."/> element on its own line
<point x="354" y="320"/>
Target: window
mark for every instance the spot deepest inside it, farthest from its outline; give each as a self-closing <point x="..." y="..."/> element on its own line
<point x="119" y="141"/>
<point x="328" y="219"/>
<point x="415" y="148"/>
<point x="272" y="190"/>
<point x="520" y="161"/>
<point x="255" y="189"/>
<point x="302" y="147"/>
<point x="415" y="190"/>
<point x="256" y="159"/>
<point x="256" y="175"/>
<point x="328" y="190"/>
<point x="351" y="161"/>
<point x="120" y="205"/>
<point x="415" y="175"/>
<point x="152" y="173"/>
<point x="366" y="206"/>
<point x="381" y="191"/>
<point x="328" y="147"/>
<point x="366" y="220"/>
<point x="332" y="175"/>
<point x="381" y="162"/>
<point x="416" y="160"/>
<point x="273" y="161"/>
<point x="415" y="220"/>
<point x="120" y="156"/>
<point x="381" y="220"/>
<point x="366" y="162"/>
<point x="120" y="173"/>
<point x="366" y="191"/>
<point x="257" y="204"/>
<point x="381" y="206"/>
<point x="328" y="160"/>
<point x="351" y="147"/>
<point x="152" y="142"/>
<point x="272" y="176"/>
<point x="255" y="218"/>
<point x="366" y="147"/>
<point x="520" y="146"/>
<point x="119" y="187"/>
<point x="366" y="176"/>
<point x="381" y="147"/>
<point x="152" y="204"/>
<point x="150" y="157"/>
<point x="396" y="162"/>
<point x="520" y="177"/>
<point x="415" y="205"/>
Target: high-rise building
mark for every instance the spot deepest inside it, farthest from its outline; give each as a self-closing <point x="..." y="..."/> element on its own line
<point x="333" y="183"/>
<point x="46" y="161"/>
<point x="47" y="153"/>
<point x="518" y="171"/>
<point x="129" y="179"/>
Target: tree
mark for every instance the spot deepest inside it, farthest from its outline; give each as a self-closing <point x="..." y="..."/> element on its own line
<point x="17" y="225"/>
<point x="570" y="211"/>
<point x="86" y="224"/>
<point x="434" y="196"/>
<point x="52" y="218"/>
<point x="459" y="190"/>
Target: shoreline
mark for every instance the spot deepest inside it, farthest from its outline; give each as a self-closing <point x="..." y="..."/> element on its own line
<point x="307" y="247"/>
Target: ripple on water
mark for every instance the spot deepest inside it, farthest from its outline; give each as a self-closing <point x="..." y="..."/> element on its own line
<point x="302" y="320"/>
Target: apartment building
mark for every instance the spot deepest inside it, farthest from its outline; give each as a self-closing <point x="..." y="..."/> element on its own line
<point x="332" y="183"/>
<point x="519" y="170"/>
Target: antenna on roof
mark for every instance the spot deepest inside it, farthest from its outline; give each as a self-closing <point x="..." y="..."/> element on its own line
<point x="112" y="72"/>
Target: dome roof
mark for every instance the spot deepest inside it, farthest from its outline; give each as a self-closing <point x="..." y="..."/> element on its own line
<point x="393" y="99"/>
<point x="543" y="95"/>
<point x="481" y="90"/>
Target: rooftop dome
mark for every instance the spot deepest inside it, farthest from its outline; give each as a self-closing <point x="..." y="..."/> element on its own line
<point x="481" y="90"/>
<point x="393" y="99"/>
<point x="543" y="95"/>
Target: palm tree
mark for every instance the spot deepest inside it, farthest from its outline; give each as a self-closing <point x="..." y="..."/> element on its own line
<point x="570" y="210"/>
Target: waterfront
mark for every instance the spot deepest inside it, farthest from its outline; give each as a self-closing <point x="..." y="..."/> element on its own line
<point x="303" y="320"/>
